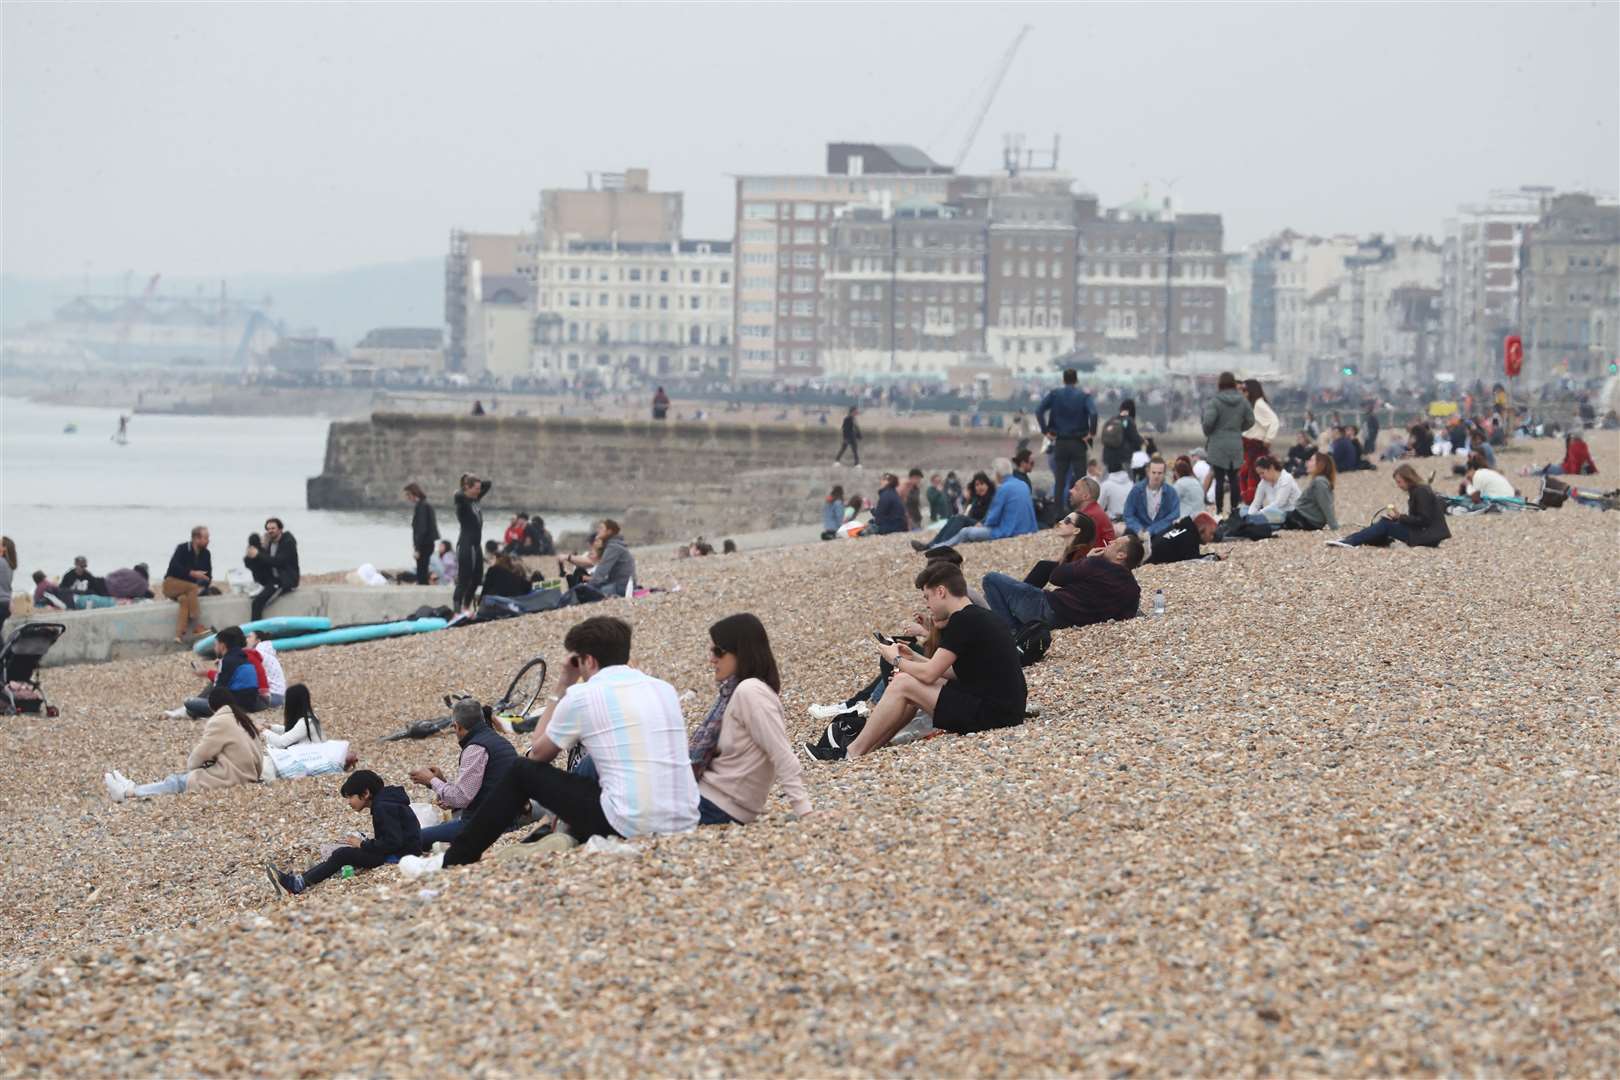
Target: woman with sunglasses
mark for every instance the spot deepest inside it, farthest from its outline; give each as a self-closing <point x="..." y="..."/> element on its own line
<point x="742" y="746"/>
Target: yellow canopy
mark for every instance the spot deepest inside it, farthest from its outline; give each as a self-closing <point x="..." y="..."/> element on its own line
<point x="1442" y="408"/>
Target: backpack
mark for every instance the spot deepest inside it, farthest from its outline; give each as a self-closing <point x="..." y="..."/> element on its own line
<point x="1032" y="640"/>
<point x="1048" y="512"/>
<point x="1113" y="433"/>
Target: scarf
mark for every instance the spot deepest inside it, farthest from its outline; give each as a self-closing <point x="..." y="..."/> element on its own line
<point x="705" y="741"/>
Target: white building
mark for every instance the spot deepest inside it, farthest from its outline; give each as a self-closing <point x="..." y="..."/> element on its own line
<point x="1304" y="265"/>
<point x="500" y="325"/>
<point x="614" y="314"/>
<point x="1480" y="287"/>
<point x="1378" y="320"/>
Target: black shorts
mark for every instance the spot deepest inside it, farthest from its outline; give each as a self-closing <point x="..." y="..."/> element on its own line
<point x="960" y="713"/>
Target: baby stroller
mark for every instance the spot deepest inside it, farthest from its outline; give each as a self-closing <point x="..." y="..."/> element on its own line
<point x="19" y="668"/>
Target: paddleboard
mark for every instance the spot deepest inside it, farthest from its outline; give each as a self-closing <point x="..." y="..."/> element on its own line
<point x="273" y="628"/>
<point x="349" y="634"/>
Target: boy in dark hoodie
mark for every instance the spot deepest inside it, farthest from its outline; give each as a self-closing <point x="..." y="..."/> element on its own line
<point x="392" y="820"/>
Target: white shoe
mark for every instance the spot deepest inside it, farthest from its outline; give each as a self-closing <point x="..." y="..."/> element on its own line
<point x="119" y="786"/>
<point x="175" y="714"/>
<point x="416" y="866"/>
<point x="826" y="712"/>
<point x="1339" y="543"/>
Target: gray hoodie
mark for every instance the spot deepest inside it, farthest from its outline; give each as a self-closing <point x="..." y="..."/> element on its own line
<point x="615" y="568"/>
<point x="1227" y="416"/>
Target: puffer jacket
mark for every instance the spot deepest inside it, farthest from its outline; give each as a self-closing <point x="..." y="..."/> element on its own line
<point x="1227" y="416"/>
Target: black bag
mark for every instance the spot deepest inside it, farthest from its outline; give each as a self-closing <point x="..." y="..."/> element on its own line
<point x="1048" y="512"/>
<point x="1553" y="493"/>
<point x="1032" y="640"/>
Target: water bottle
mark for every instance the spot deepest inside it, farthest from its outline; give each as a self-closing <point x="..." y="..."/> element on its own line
<point x="348" y="872"/>
<point x="1158" y="602"/>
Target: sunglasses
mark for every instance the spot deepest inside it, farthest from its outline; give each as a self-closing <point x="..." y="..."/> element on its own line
<point x="717" y="652"/>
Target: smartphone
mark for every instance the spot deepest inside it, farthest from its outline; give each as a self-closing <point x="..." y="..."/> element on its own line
<point x="883" y="639"/>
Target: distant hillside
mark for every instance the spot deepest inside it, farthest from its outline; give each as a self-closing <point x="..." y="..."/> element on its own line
<point x="343" y="304"/>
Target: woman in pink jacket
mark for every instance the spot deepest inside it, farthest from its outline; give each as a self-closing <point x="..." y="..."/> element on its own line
<point x="741" y="749"/>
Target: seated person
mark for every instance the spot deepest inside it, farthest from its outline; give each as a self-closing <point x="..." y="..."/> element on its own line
<point x="612" y="572"/>
<point x="299" y="722"/>
<point x="296" y="748"/>
<point x="1486" y="483"/>
<point x="1011" y="513"/>
<point x="1189" y="491"/>
<point x="235" y="675"/>
<point x="1094" y="589"/>
<point x="132" y="583"/>
<point x="1113" y="493"/>
<point x="1179" y="543"/>
<point x="442" y="563"/>
<point x="982" y="492"/>
<point x="395" y="832"/>
<point x="81" y="580"/>
<point x="1152" y="506"/>
<point x="832" y="512"/>
<point x="1083" y="497"/>
<point x="1299" y="455"/>
<point x="537" y="539"/>
<point x="50" y="594"/>
<point x="273" y="691"/>
<point x="1346" y="458"/>
<point x="631" y="727"/>
<point x="973" y="682"/>
<point x="1423" y="524"/>
<point x="741" y="748"/>
<point x="486" y="756"/>
<point x="512" y="539"/>
<point x="1314" y="509"/>
<point x="506" y="577"/>
<point x="889" y="515"/>
<point x="227" y="754"/>
<point x="1354" y="432"/>
<point x="1577" y="460"/>
<point x="1275" y="495"/>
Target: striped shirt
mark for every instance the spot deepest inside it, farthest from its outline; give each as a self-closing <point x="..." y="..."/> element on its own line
<point x="630" y="723"/>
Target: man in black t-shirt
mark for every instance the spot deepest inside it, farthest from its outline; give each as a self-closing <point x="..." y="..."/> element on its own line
<point x="973" y="682"/>
<point x="1180" y="542"/>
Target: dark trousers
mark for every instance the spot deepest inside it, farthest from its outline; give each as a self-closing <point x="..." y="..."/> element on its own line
<point x="849" y="445"/>
<point x="1068" y="455"/>
<point x="469" y="575"/>
<point x="1380" y="533"/>
<point x="1226" y="480"/>
<point x="576" y="800"/>
<point x="423" y="575"/>
<point x="343" y="856"/>
<point x="262" y="600"/>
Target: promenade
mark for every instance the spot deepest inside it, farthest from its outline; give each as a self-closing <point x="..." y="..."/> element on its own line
<point x="1339" y="812"/>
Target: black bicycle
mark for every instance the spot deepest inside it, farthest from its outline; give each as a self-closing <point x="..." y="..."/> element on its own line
<point x="521" y="697"/>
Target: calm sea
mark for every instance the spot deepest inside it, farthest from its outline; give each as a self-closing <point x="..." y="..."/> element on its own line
<point x="65" y="494"/>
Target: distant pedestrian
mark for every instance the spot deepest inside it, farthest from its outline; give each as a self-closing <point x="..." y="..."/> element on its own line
<point x="424" y="530"/>
<point x="660" y="405"/>
<point x="478" y="408"/>
<point x="1067" y="417"/>
<point x="469" y="540"/>
<point x="852" y="438"/>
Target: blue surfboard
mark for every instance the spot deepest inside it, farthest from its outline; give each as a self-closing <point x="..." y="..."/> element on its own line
<point x="349" y="634"/>
<point x="274" y="628"/>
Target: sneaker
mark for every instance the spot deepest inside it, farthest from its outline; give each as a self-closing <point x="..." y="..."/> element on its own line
<point x="920" y="546"/>
<point x="1339" y="543"/>
<point x="818" y="752"/>
<point x="176" y="714"/>
<point x="119" y="786"/>
<point x="284" y="884"/>
<point x="827" y="712"/>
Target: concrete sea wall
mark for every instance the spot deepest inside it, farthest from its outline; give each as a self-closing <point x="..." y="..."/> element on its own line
<point x="663" y="480"/>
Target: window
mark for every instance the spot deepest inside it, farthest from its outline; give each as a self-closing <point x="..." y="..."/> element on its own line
<point x="635" y="300"/>
<point x="756" y="211"/>
<point x="573" y="299"/>
<point x="804" y="211"/>
<point x="725" y="277"/>
<point x="804" y="307"/>
<point x="573" y="273"/>
<point x="804" y="260"/>
<point x="663" y="275"/>
<point x="635" y="275"/>
<point x="804" y="235"/>
<point x="695" y="302"/>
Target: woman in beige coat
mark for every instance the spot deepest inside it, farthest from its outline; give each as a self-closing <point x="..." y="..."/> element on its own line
<point x="228" y="754"/>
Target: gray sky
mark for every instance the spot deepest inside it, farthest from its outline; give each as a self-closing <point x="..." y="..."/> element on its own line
<point x="230" y="138"/>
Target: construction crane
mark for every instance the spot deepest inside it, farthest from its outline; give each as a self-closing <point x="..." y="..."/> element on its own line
<point x="989" y="98"/>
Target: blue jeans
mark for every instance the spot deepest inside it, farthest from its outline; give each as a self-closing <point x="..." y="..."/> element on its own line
<point x="1380" y="533"/>
<point x="1015" y="601"/>
<point x="173" y="784"/>
<point x="710" y="814"/>
<point x="974" y="534"/>
<point x="444" y="830"/>
<point x="947" y="532"/>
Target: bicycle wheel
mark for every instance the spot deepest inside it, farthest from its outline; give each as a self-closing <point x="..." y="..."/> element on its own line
<point x="527" y="685"/>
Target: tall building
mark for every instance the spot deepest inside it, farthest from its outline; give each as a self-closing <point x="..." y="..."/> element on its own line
<point x="1480" y="284"/>
<point x="1571" y="273"/>
<point x="1298" y="268"/>
<point x="1151" y="283"/>
<point x="1378" y="320"/>
<point x="783" y="235"/>
<point x="611" y="207"/>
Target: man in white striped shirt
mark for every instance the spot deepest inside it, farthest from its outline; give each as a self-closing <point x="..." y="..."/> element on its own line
<point x="629" y="724"/>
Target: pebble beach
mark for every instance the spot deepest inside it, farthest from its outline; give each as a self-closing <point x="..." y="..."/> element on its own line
<point x="1338" y="812"/>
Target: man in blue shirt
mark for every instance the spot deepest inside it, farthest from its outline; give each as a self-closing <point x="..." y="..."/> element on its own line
<point x="1152" y="506"/>
<point x="1068" y="417"/>
<point x="1011" y="513"/>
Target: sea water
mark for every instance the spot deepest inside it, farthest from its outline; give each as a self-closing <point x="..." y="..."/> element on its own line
<point x="63" y="495"/>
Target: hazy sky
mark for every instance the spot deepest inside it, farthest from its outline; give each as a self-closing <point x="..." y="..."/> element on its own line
<point x="227" y="138"/>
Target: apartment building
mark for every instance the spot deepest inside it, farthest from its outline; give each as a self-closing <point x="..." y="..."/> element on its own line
<point x="472" y="256"/>
<point x="1378" y="320"/>
<point x="614" y="314"/>
<point x="1480" y="284"/>
<point x="783" y="235"/>
<point x="1571" y="272"/>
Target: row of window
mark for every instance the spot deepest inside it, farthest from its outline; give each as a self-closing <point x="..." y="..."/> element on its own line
<point x="691" y="334"/>
<point x="663" y="365"/>
<point x="945" y="319"/>
<point x="687" y="276"/>
<point x="1151" y="297"/>
<point x="659" y="302"/>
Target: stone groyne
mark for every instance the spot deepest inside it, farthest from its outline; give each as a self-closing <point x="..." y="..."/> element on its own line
<point x="663" y="480"/>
